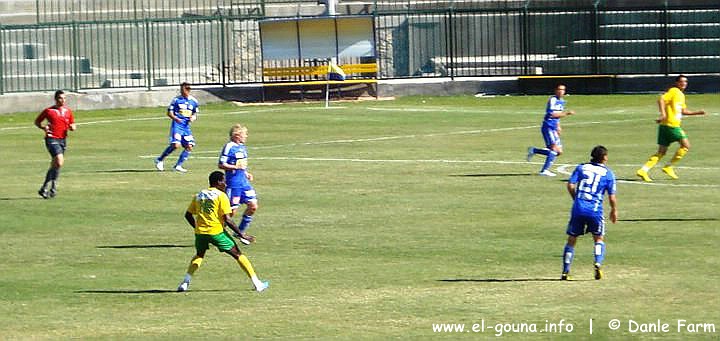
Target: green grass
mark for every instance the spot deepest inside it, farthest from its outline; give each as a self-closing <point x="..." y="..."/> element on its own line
<point x="376" y="220"/>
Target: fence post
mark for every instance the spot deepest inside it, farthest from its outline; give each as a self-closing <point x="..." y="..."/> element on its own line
<point x="75" y="56"/>
<point x="223" y="53"/>
<point x="450" y="43"/>
<point x="595" y="35"/>
<point x="135" y="11"/>
<point x="37" y="11"/>
<point x="665" y="50"/>
<point x="2" y="63"/>
<point x="148" y="54"/>
<point x="525" y="37"/>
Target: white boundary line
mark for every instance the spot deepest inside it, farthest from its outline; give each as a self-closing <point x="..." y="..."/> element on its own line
<point x="564" y="170"/>
<point x="412" y="136"/>
<point x="162" y="116"/>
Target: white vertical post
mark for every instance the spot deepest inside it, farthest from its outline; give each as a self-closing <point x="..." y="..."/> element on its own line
<point x="327" y="83"/>
<point x="327" y="94"/>
<point x="331" y="7"/>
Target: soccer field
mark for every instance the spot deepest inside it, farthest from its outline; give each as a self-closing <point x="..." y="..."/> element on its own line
<point x="377" y="220"/>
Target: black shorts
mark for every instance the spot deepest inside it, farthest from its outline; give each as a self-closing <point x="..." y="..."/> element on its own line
<point x="55" y="146"/>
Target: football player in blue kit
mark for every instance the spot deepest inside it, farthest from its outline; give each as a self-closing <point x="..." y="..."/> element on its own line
<point x="551" y="130"/>
<point x="234" y="160"/>
<point x="587" y="186"/>
<point x="182" y="111"/>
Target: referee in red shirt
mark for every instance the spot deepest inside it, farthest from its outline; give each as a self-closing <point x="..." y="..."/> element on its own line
<point x="59" y="119"/>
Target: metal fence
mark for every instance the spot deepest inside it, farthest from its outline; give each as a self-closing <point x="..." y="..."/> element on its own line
<point x="49" y="11"/>
<point x="129" y="54"/>
<point x="451" y="41"/>
<point x="528" y="41"/>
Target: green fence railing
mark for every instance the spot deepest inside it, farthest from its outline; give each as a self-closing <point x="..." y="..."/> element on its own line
<point x="50" y="11"/>
<point x="452" y="41"/>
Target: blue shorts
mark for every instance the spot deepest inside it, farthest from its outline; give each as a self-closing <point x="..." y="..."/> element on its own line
<point x="582" y="224"/>
<point x="182" y="136"/>
<point x="240" y="196"/>
<point x="551" y="137"/>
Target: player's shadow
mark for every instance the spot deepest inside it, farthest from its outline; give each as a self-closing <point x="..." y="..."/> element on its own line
<point x="148" y="246"/>
<point x="126" y="171"/>
<point x="499" y="280"/>
<point x="21" y="198"/>
<point x="480" y="175"/>
<point x="668" y="219"/>
<point x="148" y="291"/>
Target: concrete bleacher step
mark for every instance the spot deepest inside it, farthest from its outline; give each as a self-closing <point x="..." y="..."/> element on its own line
<point x="650" y="31"/>
<point x="497" y="60"/>
<point x="658" y="16"/>
<point x="643" y="47"/>
<point x="630" y="64"/>
<point x="25" y="51"/>
<point x="494" y="71"/>
<point x="20" y="83"/>
<point x="52" y="65"/>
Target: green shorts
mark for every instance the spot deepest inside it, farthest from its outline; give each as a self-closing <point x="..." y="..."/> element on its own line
<point x="222" y="241"/>
<point x="668" y="135"/>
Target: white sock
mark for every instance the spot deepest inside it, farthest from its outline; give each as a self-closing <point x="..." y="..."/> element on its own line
<point x="256" y="281"/>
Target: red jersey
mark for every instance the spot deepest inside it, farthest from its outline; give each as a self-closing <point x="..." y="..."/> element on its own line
<point x="59" y="120"/>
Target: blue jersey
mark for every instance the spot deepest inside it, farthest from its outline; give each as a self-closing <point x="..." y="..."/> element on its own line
<point x="553" y="104"/>
<point x="593" y="181"/>
<point x="184" y="109"/>
<point x="235" y="154"/>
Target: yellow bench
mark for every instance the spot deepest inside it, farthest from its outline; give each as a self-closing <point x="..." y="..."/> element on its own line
<point x="319" y="71"/>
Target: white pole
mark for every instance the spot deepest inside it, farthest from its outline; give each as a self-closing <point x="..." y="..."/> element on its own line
<point x="331" y="7"/>
<point x="327" y="84"/>
<point x="327" y="93"/>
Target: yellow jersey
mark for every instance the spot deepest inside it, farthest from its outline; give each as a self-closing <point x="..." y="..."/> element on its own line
<point x="209" y="207"/>
<point x="674" y="100"/>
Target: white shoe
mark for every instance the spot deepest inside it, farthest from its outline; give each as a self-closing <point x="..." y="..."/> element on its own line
<point x="263" y="286"/>
<point x="244" y="238"/>
<point x="547" y="172"/>
<point x="184" y="286"/>
<point x="180" y="169"/>
<point x="159" y="165"/>
<point x="530" y="153"/>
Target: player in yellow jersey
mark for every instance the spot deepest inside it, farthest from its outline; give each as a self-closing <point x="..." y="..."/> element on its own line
<point x="207" y="214"/>
<point x="672" y="108"/>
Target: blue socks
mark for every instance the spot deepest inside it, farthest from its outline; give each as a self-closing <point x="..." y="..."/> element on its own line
<point x="183" y="156"/>
<point x="599" y="252"/>
<point x="543" y="151"/>
<point x="245" y="222"/>
<point x="551" y="155"/>
<point x="166" y="152"/>
<point x="568" y="254"/>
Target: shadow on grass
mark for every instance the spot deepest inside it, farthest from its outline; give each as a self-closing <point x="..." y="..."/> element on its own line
<point x="151" y="246"/>
<point x="669" y="219"/>
<point x="149" y="291"/>
<point x="22" y="198"/>
<point x="494" y="174"/>
<point x="504" y="280"/>
<point x="127" y="171"/>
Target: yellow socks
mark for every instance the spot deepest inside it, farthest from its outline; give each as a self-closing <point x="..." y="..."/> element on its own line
<point x="194" y="265"/>
<point x="652" y="161"/>
<point x="245" y="265"/>
<point x="678" y="155"/>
